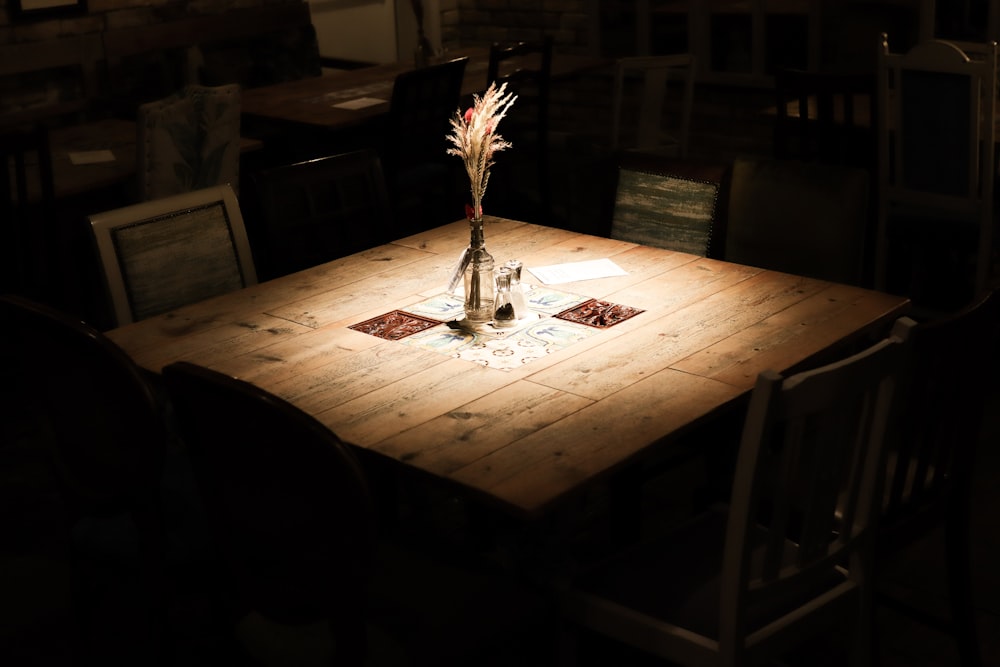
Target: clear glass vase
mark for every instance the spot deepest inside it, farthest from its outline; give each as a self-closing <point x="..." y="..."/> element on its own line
<point x="479" y="280"/>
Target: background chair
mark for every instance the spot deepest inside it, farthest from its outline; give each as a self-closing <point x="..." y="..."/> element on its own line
<point x="936" y="133"/>
<point x="82" y="428"/>
<point x="520" y="182"/>
<point x="929" y="476"/>
<point x="290" y="511"/>
<point x="745" y="583"/>
<point x="312" y="212"/>
<point x="422" y="179"/>
<point x="189" y="141"/>
<point x="658" y="127"/>
<point x="671" y="203"/>
<point x="825" y="116"/>
<point x="163" y="254"/>
<point x="27" y="205"/>
<point x="799" y="217"/>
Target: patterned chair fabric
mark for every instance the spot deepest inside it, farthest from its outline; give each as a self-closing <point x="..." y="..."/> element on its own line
<point x="189" y="141"/>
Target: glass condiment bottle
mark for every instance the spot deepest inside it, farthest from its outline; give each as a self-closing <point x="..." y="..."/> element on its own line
<point x="503" y="306"/>
<point x="516" y="289"/>
<point x="479" y="280"/>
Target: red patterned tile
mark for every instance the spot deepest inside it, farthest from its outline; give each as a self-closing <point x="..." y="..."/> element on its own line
<point x="394" y="325"/>
<point x="599" y="314"/>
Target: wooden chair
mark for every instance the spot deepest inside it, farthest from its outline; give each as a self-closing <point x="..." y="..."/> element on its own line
<point x="291" y="516"/>
<point x="79" y="403"/>
<point x="421" y="178"/>
<point x="799" y="217"/>
<point x="745" y="583"/>
<point x="521" y="176"/>
<point x="312" y="212"/>
<point x="189" y="141"/>
<point x="929" y="475"/>
<point x="671" y="203"/>
<point x="825" y="116"/>
<point x="163" y="254"/>
<point x="658" y="127"/>
<point x="27" y="205"/>
<point x="936" y="132"/>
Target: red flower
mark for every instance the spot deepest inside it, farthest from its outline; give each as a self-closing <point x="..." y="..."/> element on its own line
<point x="468" y="115"/>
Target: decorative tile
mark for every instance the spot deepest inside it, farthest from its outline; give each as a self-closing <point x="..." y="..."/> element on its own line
<point x="532" y="342"/>
<point x="395" y="325"/>
<point x="599" y="314"/>
<point x="551" y="301"/>
<point x="441" y="307"/>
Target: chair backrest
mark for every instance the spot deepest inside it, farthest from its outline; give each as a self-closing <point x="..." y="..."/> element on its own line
<point x="799" y="217"/>
<point x="421" y="177"/>
<point x="85" y="403"/>
<point x="930" y="465"/>
<point x="27" y="200"/>
<point x="189" y="141"/>
<point x="658" y="126"/>
<point x="807" y="474"/>
<point x="422" y="102"/>
<point x="526" y="68"/>
<point x="825" y="116"/>
<point x="166" y="253"/>
<point x="671" y="203"/>
<point x="287" y="502"/>
<point x="312" y="212"/>
<point x="936" y="134"/>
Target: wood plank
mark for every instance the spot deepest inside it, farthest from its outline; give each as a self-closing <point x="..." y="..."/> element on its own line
<point x="587" y="445"/>
<point x="828" y="319"/>
<point x="655" y="342"/>
<point x="481" y="427"/>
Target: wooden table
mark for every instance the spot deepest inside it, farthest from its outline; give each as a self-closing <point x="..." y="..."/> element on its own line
<point x="310" y="101"/>
<point x="527" y="437"/>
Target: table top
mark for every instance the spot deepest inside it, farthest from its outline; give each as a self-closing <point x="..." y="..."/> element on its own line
<point x="310" y="101"/>
<point x="524" y="438"/>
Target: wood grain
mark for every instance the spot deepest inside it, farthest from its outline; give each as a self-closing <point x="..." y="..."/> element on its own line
<point x="523" y="439"/>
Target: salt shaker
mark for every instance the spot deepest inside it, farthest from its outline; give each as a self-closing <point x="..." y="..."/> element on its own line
<point x="516" y="290"/>
<point x="503" y="306"/>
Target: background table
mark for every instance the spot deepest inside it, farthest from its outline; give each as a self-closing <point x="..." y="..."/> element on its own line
<point x="527" y="437"/>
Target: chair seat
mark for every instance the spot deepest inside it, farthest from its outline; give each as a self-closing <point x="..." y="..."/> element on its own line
<point x="694" y="551"/>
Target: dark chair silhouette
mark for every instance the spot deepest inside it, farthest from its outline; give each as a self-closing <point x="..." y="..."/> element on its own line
<point x="800" y="217"/>
<point x="189" y="141"/>
<point x="825" y="116"/>
<point x="422" y="180"/>
<point x="27" y="202"/>
<point x="670" y="203"/>
<point x="290" y="511"/>
<point x="521" y="176"/>
<point x="936" y="186"/>
<point x="747" y="582"/>
<point x="311" y="212"/>
<point x="930" y="466"/>
<point x="81" y="404"/>
<point x="646" y="82"/>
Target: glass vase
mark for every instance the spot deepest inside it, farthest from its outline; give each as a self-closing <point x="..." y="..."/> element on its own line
<point x="479" y="280"/>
